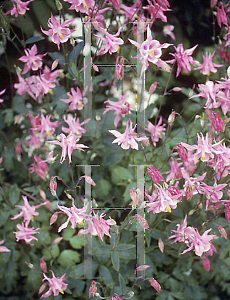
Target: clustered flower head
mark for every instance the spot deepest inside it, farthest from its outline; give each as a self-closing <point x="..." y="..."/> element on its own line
<point x="56" y="285"/>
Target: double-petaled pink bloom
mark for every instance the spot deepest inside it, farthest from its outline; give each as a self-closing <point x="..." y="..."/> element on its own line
<point x="20" y="8"/>
<point x="56" y="285"/>
<point x="31" y="59"/>
<point x="59" y="32"/>
<point x="26" y="233"/>
<point x="76" y="100"/>
<point x="128" y="138"/>
<point x="150" y="51"/>
<point x="68" y="144"/>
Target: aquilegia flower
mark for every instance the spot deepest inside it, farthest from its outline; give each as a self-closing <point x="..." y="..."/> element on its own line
<point x="25" y="233"/>
<point x="208" y="66"/>
<point x="20" y="8"/>
<point x="32" y="60"/>
<point x="128" y="138"/>
<point x="68" y="144"/>
<point x="150" y="51"/>
<point x="57" y="31"/>
<point x="76" y="100"/>
<point x="56" y="285"/>
<point x="28" y="212"/>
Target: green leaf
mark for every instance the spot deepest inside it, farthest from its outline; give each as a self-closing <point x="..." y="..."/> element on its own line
<point x="54" y="250"/>
<point x="34" y="39"/>
<point x="75" y="52"/>
<point x="127" y="254"/>
<point x="122" y="247"/>
<point x="68" y="257"/>
<point x="115" y="260"/>
<point x="14" y="194"/>
<point x="77" y="242"/>
<point x="68" y="233"/>
<point x="106" y="276"/>
<point x="57" y="55"/>
<point x="9" y="116"/>
<point x="73" y="71"/>
<point x="121" y="173"/>
<point x="102" y="250"/>
<point x="122" y="284"/>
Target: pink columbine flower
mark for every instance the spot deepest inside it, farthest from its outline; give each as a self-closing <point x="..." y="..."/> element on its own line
<point x="3" y="248"/>
<point x="75" y="215"/>
<point x="121" y="107"/>
<point x="204" y="148"/>
<point x="221" y="16"/>
<point x="32" y="60"/>
<point x="68" y="144"/>
<point x="25" y="233"/>
<point x="45" y="126"/>
<point x="182" y="152"/>
<point x="209" y="91"/>
<point x="119" y="68"/>
<point x="156" y="131"/>
<point x="28" y="212"/>
<point x="1" y="93"/>
<point x="131" y="12"/>
<point x="175" y="172"/>
<point x="128" y="138"/>
<point x="20" y="8"/>
<point x="56" y="285"/>
<point x="98" y="226"/>
<point x="82" y="6"/>
<point x="76" y="100"/>
<point x="150" y="51"/>
<point x="57" y="31"/>
<point x="156" y="9"/>
<point x="154" y="174"/>
<point x="167" y="30"/>
<point x="183" y="58"/>
<point x="162" y="199"/>
<point x="111" y="42"/>
<point x="208" y="66"/>
<point x="39" y="167"/>
<point x="74" y="125"/>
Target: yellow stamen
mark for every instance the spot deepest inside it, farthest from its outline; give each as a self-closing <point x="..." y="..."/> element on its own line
<point x="61" y="35"/>
<point x="151" y="52"/>
<point x="48" y="133"/>
<point x="168" y="208"/>
<point x="50" y="91"/>
<point x="85" y="18"/>
<point x="32" y="218"/>
<point x="85" y="6"/>
<point x="81" y="223"/>
<point x="61" y="291"/>
<point x="35" y="64"/>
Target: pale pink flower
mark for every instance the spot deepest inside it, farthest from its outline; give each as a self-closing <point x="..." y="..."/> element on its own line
<point x="208" y="66"/>
<point x="82" y="6"/>
<point x="182" y="152"/>
<point x="121" y="107"/>
<point x="3" y="248"/>
<point x="75" y="126"/>
<point x="191" y="185"/>
<point x="76" y="100"/>
<point x="221" y="16"/>
<point x="68" y="144"/>
<point x="20" y="8"/>
<point x="46" y="127"/>
<point x="128" y="138"/>
<point x="111" y="42"/>
<point x="150" y="51"/>
<point x="154" y="174"/>
<point x="204" y="148"/>
<point x="98" y="226"/>
<point x="25" y="233"/>
<point x="39" y="167"/>
<point x="182" y="233"/>
<point x="75" y="215"/>
<point x="217" y="122"/>
<point x="32" y="60"/>
<point x="1" y="93"/>
<point x="162" y="199"/>
<point x="183" y="58"/>
<point x="58" y="32"/>
<point x="156" y="131"/>
<point x="116" y="4"/>
<point x="28" y="212"/>
<point x="156" y="9"/>
<point x="175" y="172"/>
<point x="119" y="68"/>
<point x="167" y="30"/>
<point x="213" y="193"/>
<point x="131" y="12"/>
<point x="56" y="285"/>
